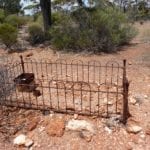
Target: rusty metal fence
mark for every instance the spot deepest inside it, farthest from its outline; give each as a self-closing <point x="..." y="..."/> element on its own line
<point x="89" y="88"/>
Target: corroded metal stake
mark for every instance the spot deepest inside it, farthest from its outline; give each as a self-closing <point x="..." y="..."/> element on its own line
<point x="126" y="113"/>
<point x="22" y="64"/>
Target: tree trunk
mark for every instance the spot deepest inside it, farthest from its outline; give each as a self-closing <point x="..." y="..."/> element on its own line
<point x="46" y="12"/>
<point x="80" y="2"/>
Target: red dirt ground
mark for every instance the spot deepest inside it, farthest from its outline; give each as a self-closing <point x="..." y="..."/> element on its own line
<point x="138" y="58"/>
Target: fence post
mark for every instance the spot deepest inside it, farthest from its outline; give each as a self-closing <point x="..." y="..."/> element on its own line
<point x="126" y="113"/>
<point x="22" y="63"/>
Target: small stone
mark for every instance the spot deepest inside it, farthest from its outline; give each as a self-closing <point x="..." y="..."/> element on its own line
<point x="129" y="63"/>
<point x="41" y="46"/>
<point x="20" y="140"/>
<point x="30" y="148"/>
<point x="28" y="113"/>
<point x="29" y="54"/>
<point x="31" y="134"/>
<point x="56" y="127"/>
<point x="37" y="93"/>
<point x="32" y="125"/>
<point x="86" y="135"/>
<point x="52" y="112"/>
<point x="41" y="129"/>
<point x="132" y="100"/>
<point x="94" y="117"/>
<point x="134" y="129"/>
<point x="145" y="96"/>
<point x="110" y="103"/>
<point x="113" y="121"/>
<point x="75" y="116"/>
<point x="28" y="143"/>
<point x="115" y="83"/>
<point x="51" y="115"/>
<point x="148" y="132"/>
<point x="108" y="130"/>
<point x="142" y="136"/>
<point x="148" y="129"/>
<point x="139" y="98"/>
<point x="46" y="112"/>
<point x="80" y="125"/>
<point x="105" y="101"/>
<point x="124" y="131"/>
<point x="130" y="145"/>
<point x="85" y="97"/>
<point x="35" y="144"/>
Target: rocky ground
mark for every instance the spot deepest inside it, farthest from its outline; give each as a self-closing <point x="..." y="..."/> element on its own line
<point x="36" y="130"/>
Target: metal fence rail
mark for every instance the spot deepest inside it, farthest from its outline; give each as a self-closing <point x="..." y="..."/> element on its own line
<point x="72" y="87"/>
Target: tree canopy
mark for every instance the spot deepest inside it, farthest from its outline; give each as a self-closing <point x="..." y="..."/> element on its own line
<point x="10" y="6"/>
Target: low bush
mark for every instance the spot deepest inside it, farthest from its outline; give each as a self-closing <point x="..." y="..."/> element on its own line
<point x="91" y="29"/>
<point x="40" y="20"/>
<point x="36" y="34"/>
<point x="146" y="35"/>
<point x="57" y="17"/>
<point x="2" y="15"/>
<point x="8" y="35"/>
<point x="15" y="20"/>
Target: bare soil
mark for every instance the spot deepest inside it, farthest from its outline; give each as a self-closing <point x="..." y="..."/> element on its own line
<point x="138" y="71"/>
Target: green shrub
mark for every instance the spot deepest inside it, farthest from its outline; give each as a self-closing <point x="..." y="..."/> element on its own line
<point x="146" y="35"/>
<point x="91" y="29"/>
<point x="8" y="35"/>
<point x="40" y="20"/>
<point x="36" y="34"/>
<point x="2" y="15"/>
<point x="15" y="20"/>
<point x="57" y="17"/>
<point x="139" y="12"/>
<point x="63" y="34"/>
<point x="35" y="17"/>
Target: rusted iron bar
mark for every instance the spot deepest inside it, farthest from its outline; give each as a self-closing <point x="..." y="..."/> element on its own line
<point x="22" y="63"/>
<point x="126" y="113"/>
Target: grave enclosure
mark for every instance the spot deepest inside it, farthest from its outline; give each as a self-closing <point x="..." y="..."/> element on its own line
<point x="72" y="87"/>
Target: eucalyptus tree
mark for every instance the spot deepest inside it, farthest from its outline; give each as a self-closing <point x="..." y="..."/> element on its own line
<point x="10" y="6"/>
